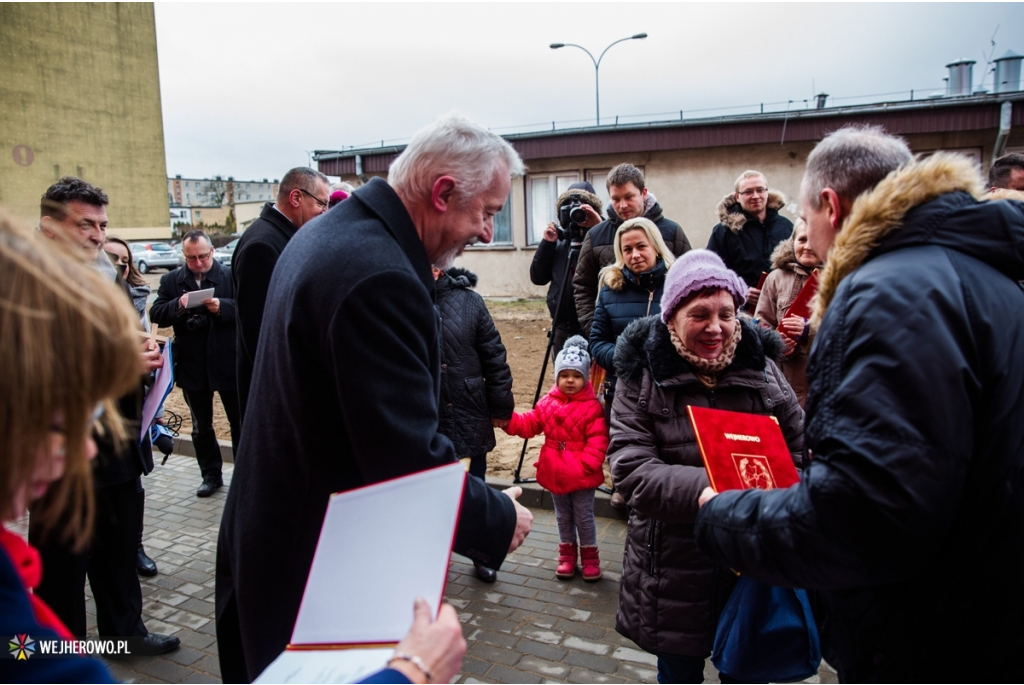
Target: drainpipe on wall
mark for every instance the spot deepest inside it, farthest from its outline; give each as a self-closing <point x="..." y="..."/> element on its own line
<point x="359" y="169"/>
<point x="1005" y="117"/>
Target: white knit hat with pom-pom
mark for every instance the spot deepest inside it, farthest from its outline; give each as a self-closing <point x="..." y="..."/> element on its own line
<point x="574" y="356"/>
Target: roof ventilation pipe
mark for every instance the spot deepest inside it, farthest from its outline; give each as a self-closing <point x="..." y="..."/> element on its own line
<point x="820" y="100"/>
<point x="960" y="77"/>
<point x="1008" y="72"/>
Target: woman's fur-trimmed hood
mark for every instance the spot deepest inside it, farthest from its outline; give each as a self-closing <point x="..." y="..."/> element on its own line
<point x="992" y="232"/>
<point x="457" y="277"/>
<point x="646" y="344"/>
<point x="731" y="214"/>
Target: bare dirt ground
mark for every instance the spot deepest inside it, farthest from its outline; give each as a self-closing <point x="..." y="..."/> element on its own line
<point x="523" y="325"/>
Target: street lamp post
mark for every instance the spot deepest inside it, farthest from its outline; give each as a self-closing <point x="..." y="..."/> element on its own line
<point x="597" y="65"/>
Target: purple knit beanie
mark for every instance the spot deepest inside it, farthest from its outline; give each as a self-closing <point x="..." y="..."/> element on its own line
<point x="694" y="271"/>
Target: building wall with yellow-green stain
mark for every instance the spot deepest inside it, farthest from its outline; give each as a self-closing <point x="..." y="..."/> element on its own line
<point x="80" y="95"/>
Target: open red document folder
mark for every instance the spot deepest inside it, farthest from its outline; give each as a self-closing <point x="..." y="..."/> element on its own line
<point x="380" y="547"/>
<point x="802" y="304"/>
<point x="742" y="451"/>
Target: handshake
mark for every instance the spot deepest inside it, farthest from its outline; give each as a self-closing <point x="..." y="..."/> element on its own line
<point x="500" y="423"/>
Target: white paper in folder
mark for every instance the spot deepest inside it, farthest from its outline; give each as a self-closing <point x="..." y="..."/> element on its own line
<point x="380" y="547"/>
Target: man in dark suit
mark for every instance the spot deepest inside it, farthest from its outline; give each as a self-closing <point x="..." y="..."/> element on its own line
<point x="304" y="194"/>
<point x="204" y="348"/>
<point x="74" y="212"/>
<point x="348" y="379"/>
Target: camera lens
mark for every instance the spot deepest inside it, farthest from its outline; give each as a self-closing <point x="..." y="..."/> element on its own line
<point x="577" y="214"/>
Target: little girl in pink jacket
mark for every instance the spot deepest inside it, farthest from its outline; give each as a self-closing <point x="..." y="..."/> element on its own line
<point x="572" y="458"/>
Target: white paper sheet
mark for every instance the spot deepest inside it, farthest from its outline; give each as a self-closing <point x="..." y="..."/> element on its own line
<point x="325" y="666"/>
<point x="195" y="298"/>
<point x="380" y="547"/>
<point x="157" y="393"/>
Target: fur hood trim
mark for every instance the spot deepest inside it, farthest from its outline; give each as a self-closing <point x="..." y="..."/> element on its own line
<point x="784" y="254"/>
<point x="460" y="277"/>
<point x="645" y="344"/>
<point x="732" y="215"/>
<point x="593" y="200"/>
<point x="877" y="213"/>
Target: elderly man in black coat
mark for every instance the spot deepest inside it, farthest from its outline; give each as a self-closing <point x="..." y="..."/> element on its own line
<point x="204" y="348"/>
<point x="348" y="374"/>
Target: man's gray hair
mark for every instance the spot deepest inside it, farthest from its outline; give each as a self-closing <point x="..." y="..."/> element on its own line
<point x="457" y="147"/>
<point x="750" y="173"/>
<point x="851" y="161"/>
<point x="303" y="178"/>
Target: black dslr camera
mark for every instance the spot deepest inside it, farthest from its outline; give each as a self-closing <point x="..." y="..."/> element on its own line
<point x="196" y="321"/>
<point x="570" y="218"/>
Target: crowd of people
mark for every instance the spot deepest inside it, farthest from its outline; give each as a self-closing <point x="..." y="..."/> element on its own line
<point x="347" y="349"/>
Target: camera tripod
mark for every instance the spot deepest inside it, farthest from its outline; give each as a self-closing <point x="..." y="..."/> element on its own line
<point x="575" y="243"/>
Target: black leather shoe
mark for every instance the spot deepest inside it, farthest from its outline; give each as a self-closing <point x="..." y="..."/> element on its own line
<point x="209" y="486"/>
<point x="152" y="645"/>
<point x="143" y="564"/>
<point x="488" y="575"/>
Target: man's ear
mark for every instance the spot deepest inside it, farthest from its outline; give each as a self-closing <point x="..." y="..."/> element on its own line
<point x="837" y="209"/>
<point x="46" y="225"/>
<point x="442" y="195"/>
<point x="295" y="198"/>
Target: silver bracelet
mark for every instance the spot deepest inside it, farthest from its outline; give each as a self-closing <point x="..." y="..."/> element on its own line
<point x="415" y="661"/>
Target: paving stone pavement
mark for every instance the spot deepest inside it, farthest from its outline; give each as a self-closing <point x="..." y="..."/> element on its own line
<point x="527" y="627"/>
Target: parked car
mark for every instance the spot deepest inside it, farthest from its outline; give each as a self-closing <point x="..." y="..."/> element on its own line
<point x="149" y="256"/>
<point x="223" y="254"/>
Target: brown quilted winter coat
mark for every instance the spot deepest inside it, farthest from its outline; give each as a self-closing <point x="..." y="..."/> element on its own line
<point x="780" y="289"/>
<point x="671" y="593"/>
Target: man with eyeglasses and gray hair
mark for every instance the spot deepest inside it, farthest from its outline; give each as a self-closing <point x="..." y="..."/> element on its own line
<point x="749" y="229"/>
<point x="304" y="194"/>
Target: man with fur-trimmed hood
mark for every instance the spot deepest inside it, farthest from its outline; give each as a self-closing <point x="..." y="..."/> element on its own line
<point x="909" y="520"/>
<point x="749" y="228"/>
<point x="551" y="260"/>
<point x="629" y="199"/>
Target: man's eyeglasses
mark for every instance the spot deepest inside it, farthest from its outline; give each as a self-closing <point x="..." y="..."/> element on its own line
<point x="198" y="257"/>
<point x="753" y="191"/>
<point x="322" y="203"/>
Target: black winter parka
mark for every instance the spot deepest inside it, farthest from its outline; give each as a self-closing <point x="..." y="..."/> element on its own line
<point x="476" y="383"/>
<point x="910" y="518"/>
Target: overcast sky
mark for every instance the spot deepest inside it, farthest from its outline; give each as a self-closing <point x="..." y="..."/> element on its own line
<point x="249" y="88"/>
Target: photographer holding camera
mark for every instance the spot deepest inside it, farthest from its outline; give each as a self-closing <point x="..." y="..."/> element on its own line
<point x="577" y="209"/>
<point x="204" y="348"/>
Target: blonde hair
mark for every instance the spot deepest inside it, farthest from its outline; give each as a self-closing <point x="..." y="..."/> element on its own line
<point x="67" y="343"/>
<point x="749" y="173"/>
<point x="611" y="275"/>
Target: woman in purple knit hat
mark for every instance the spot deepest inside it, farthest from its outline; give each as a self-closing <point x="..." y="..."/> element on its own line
<point x="696" y="352"/>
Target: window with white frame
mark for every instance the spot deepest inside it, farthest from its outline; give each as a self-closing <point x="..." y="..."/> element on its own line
<point x="599" y="179"/>
<point x="542" y="191"/>
<point x="503" y="224"/>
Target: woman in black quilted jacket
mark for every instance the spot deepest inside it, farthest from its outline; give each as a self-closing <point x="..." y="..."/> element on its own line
<point x="476" y="382"/>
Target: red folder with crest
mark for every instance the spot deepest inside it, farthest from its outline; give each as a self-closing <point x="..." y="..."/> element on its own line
<point x="802" y="304"/>
<point x="742" y="451"/>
